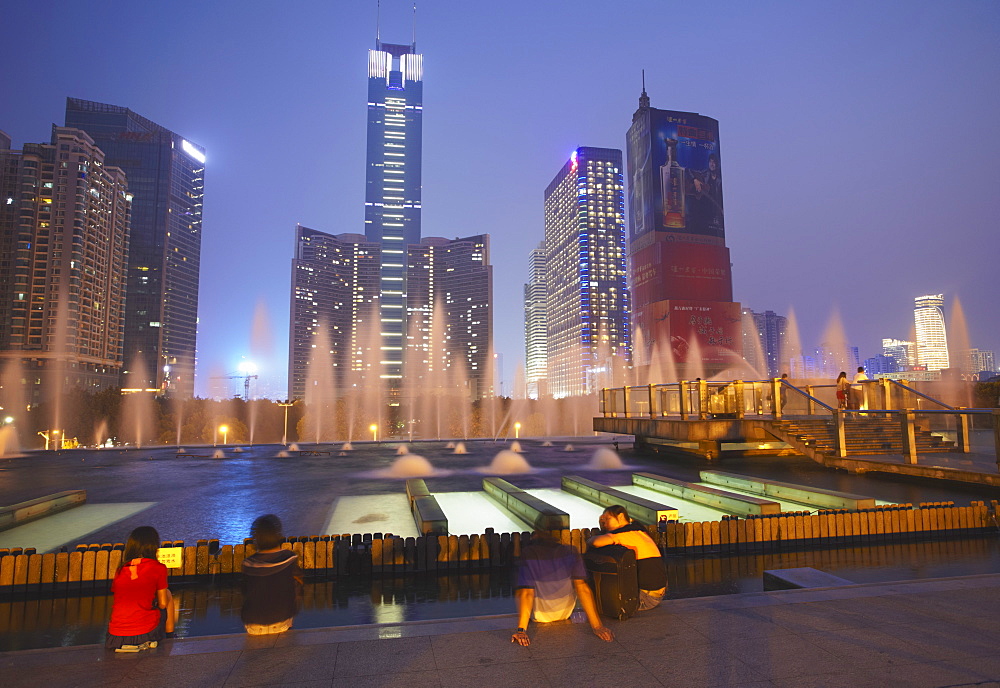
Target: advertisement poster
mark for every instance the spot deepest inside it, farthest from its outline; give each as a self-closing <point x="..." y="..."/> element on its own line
<point x="680" y="270"/>
<point x="675" y="173"/>
<point x="710" y="330"/>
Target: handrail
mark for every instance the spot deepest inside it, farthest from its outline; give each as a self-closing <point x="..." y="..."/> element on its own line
<point x="809" y="396"/>
<point x="920" y="394"/>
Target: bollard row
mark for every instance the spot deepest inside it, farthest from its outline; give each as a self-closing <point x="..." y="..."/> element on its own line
<point x="376" y="554"/>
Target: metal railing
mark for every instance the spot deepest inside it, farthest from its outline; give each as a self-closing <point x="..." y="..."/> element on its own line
<point x="742" y="399"/>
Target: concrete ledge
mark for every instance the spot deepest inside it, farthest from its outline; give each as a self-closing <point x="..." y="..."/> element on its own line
<point x="523" y="505"/>
<point x="34" y="509"/>
<point x="429" y="516"/>
<point x="643" y="510"/>
<point x="709" y="496"/>
<point x="802" y="577"/>
<point x="815" y="496"/>
<point x="416" y="487"/>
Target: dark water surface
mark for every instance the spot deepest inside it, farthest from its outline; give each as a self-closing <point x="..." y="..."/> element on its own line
<point x="201" y="497"/>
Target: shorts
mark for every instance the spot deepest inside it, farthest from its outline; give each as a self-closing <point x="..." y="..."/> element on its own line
<point x="268" y="629"/>
<point x="159" y="632"/>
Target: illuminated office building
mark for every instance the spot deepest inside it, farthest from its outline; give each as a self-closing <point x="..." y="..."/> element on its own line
<point x="932" y="338"/>
<point x="449" y="283"/>
<point x="64" y="232"/>
<point x="334" y="290"/>
<point x="166" y="177"/>
<point x="535" y="324"/>
<point x="902" y="352"/>
<point x="393" y="184"/>
<point x="681" y="277"/>
<point x="587" y="302"/>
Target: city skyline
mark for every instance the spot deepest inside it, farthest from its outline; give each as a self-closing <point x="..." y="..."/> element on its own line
<point x="829" y="116"/>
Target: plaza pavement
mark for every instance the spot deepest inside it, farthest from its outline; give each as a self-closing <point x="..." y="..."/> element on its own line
<point x="935" y="632"/>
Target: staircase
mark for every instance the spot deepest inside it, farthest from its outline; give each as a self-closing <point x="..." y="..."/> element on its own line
<point x="815" y="437"/>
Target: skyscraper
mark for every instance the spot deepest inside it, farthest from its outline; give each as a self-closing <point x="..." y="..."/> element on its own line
<point x="902" y="352"/>
<point x="587" y="303"/>
<point x="932" y="338"/>
<point x="770" y="329"/>
<point x="64" y="219"/>
<point x="535" y="324"/>
<point x="682" y="288"/>
<point x="334" y="292"/>
<point x="166" y="177"/>
<point x="393" y="184"/>
<point x="449" y="314"/>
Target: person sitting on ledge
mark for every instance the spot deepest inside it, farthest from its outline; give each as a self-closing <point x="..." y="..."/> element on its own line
<point x="271" y="580"/>
<point x="143" y="611"/>
<point x="619" y="529"/>
<point x="550" y="579"/>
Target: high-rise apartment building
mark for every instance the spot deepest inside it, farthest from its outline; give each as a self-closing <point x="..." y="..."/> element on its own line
<point x="393" y="184"/>
<point x="166" y="177"/>
<point x="64" y="231"/>
<point x="587" y="304"/>
<point x="682" y="288"/>
<point x="535" y="325"/>
<point x="770" y="329"/>
<point x="449" y="315"/>
<point x="979" y="361"/>
<point x="334" y="294"/>
<point x="932" y="337"/>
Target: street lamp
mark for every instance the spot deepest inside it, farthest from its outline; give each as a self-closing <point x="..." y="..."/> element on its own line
<point x="517" y="430"/>
<point x="286" y="404"/>
<point x="8" y="420"/>
<point x="224" y="429"/>
<point x="374" y="428"/>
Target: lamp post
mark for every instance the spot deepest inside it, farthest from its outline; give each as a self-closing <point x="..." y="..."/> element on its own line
<point x="286" y="404"/>
<point x="224" y="429"/>
<point x="374" y="428"/>
<point x="517" y="430"/>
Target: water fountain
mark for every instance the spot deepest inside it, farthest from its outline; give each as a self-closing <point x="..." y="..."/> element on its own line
<point x="293" y="447"/>
<point x="605" y="459"/>
<point x="409" y="466"/>
<point x="507" y="462"/>
<point x="569" y="448"/>
<point x="137" y="407"/>
<point x="515" y="447"/>
<point x="346" y="447"/>
<point x="218" y="454"/>
<point x="459" y="448"/>
<point x="403" y="450"/>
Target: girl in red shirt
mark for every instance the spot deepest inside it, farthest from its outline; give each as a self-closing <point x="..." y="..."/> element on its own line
<point x="143" y="611"/>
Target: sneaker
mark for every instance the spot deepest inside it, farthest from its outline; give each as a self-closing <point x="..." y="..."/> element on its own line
<point x="127" y="648"/>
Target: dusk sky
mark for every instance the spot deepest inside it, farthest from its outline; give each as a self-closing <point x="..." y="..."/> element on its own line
<point x="860" y="141"/>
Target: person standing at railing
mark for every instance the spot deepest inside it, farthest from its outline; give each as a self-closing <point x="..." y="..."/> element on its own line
<point x="857" y="391"/>
<point x="843" y="390"/>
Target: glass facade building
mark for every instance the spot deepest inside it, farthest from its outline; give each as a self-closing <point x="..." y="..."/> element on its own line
<point x="393" y="184"/>
<point x="932" y="337"/>
<point x="587" y="298"/>
<point x="166" y="177"/>
<point x="535" y="324"/>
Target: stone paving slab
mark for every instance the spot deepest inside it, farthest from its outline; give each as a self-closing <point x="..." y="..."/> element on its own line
<point x="933" y="633"/>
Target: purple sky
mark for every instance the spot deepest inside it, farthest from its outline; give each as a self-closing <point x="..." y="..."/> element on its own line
<point x="860" y="140"/>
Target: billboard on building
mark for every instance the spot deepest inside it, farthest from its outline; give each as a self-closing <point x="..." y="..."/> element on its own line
<point x="676" y="177"/>
<point x="706" y="332"/>
<point x="681" y="270"/>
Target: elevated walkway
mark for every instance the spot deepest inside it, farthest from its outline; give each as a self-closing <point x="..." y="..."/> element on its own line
<point x="891" y="426"/>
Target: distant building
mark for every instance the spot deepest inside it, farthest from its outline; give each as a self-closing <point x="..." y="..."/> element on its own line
<point x="880" y="365"/>
<point x="771" y="330"/>
<point x="932" y="337"/>
<point x="334" y="294"/>
<point x="393" y="184"/>
<point x="681" y="277"/>
<point x="166" y="177"/>
<point x="588" y="304"/>
<point x="902" y="352"/>
<point x="977" y="361"/>
<point x="64" y="235"/>
<point x="449" y="283"/>
<point x="535" y="324"/>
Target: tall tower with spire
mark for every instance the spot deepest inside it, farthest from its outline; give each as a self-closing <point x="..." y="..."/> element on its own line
<point x="393" y="184"/>
<point x="682" y="287"/>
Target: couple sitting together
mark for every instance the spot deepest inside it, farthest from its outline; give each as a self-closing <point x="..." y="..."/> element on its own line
<point x="551" y="577"/>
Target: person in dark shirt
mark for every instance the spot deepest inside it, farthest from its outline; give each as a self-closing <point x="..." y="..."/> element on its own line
<point x="271" y="580"/>
<point x="619" y="529"/>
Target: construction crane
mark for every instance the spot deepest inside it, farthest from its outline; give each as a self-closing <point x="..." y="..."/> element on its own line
<point x="246" y="382"/>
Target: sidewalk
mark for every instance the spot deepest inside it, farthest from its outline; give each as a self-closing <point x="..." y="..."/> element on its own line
<point x="937" y="632"/>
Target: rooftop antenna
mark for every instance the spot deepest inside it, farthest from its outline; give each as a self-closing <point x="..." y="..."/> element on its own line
<point x="643" y="99"/>
<point x="414" y="41"/>
<point x="378" y="19"/>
